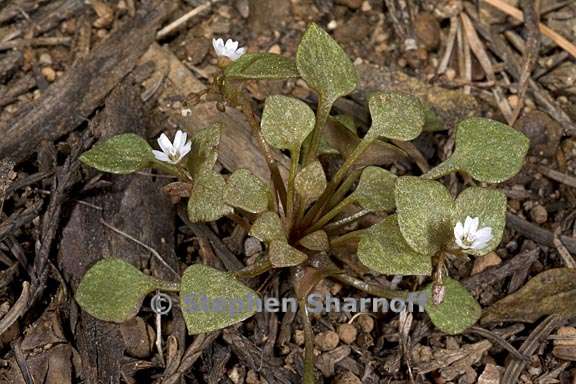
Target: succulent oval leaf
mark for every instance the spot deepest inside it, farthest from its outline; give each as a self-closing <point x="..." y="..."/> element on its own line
<point x="425" y="209"/>
<point x="395" y="116"/>
<point x="310" y="182"/>
<point x="375" y="190"/>
<point x="315" y="241"/>
<point x="113" y="290"/>
<point x="204" y="154"/>
<point x="489" y="206"/>
<point x="268" y="227"/>
<point x="324" y="65"/>
<point x="211" y="299"/>
<point x="282" y="255"/>
<point x="262" y="66"/>
<point x="246" y="191"/>
<point x="286" y="122"/>
<point x="487" y="150"/>
<point x="206" y="202"/>
<point x="458" y="311"/>
<point x="384" y="250"/>
<point x="120" y="154"/>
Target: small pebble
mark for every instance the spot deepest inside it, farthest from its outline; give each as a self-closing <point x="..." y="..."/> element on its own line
<point x="347" y="333"/>
<point x="539" y="214"/>
<point x="275" y="49"/>
<point x="327" y="341"/>
<point x="49" y="74"/>
<point x="366" y="323"/>
<point x="45" y="59"/>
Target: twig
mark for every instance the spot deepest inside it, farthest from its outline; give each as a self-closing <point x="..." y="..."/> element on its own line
<point x="564" y="253"/>
<point x="454" y="25"/>
<point x="539" y="235"/>
<point x="183" y="20"/>
<point x="22" y="363"/>
<point x="17" y="309"/>
<point x="498" y="340"/>
<point x="557" y="176"/>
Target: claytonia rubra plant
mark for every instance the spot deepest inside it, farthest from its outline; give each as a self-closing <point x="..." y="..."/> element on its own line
<point x="304" y="215"/>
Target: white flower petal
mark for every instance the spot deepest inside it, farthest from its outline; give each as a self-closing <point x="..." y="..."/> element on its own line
<point x="474" y="225"/>
<point x="179" y="140"/>
<point x="218" y="45"/>
<point x="236" y="55"/>
<point x="185" y="149"/>
<point x="161" y="156"/>
<point x="484" y="234"/>
<point x="458" y="231"/>
<point x="231" y="45"/>
<point x="165" y="144"/>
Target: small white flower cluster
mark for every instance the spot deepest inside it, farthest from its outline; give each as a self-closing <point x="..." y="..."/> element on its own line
<point x="468" y="236"/>
<point x="173" y="152"/>
<point x="229" y="50"/>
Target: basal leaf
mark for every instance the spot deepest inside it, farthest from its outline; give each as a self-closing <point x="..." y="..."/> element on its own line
<point x="282" y="255"/>
<point x="395" y="116"/>
<point x="211" y="299"/>
<point x="550" y="292"/>
<point x="262" y="66"/>
<point x="490" y="207"/>
<point x="120" y="154"/>
<point x="489" y="151"/>
<point x="286" y="122"/>
<point x="113" y="290"/>
<point x="310" y="182"/>
<point x="204" y="153"/>
<point x="458" y="311"/>
<point x="324" y="65"/>
<point x="425" y="210"/>
<point x="384" y="250"/>
<point x="206" y="201"/>
<point x="375" y="190"/>
<point x="268" y="227"/>
<point x="246" y="191"/>
<point x="316" y="241"/>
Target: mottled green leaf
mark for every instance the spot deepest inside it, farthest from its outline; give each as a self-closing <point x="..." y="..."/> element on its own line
<point x="395" y="116"/>
<point x="315" y="241"/>
<point x="204" y="153"/>
<point x="375" y="190"/>
<point x="347" y="122"/>
<point x="324" y="65"/>
<point x="548" y="293"/>
<point x="120" y="154"/>
<point x="490" y="207"/>
<point x="113" y="290"/>
<point x="262" y="66"/>
<point x="282" y="255"/>
<point x="211" y="299"/>
<point x="286" y="122"/>
<point x="206" y="201"/>
<point x="384" y="250"/>
<point x="246" y="191"/>
<point x="268" y="227"/>
<point x="489" y="151"/>
<point x="310" y="182"/>
<point x="425" y="210"/>
<point x="458" y="311"/>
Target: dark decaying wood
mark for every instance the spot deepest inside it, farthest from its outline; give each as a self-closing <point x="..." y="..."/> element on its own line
<point x="135" y="206"/>
<point x="70" y="100"/>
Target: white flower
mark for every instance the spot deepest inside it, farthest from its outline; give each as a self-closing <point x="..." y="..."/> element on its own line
<point x="173" y="152"/>
<point x="229" y="50"/>
<point x="468" y="236"/>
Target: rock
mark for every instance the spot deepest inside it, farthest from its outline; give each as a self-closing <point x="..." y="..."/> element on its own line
<point x="347" y="378"/>
<point x="482" y="262"/>
<point x="49" y="74"/>
<point x="353" y="30"/>
<point x="543" y="132"/>
<point x="491" y="375"/>
<point x="538" y="214"/>
<point x="427" y="30"/>
<point x="196" y="49"/>
<point x="45" y="59"/>
<point x="366" y="323"/>
<point x="327" y="341"/>
<point x="347" y="333"/>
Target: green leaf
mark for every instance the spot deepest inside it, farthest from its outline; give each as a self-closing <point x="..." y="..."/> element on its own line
<point x="310" y="182"/>
<point x="120" y="154"/>
<point x="550" y="292"/>
<point x="395" y="116"/>
<point x="375" y="190"/>
<point x="212" y="300"/>
<point x="206" y="201"/>
<point x="262" y="66"/>
<point x="282" y="255"/>
<point x="487" y="204"/>
<point x="315" y="241"/>
<point x="268" y="227"/>
<point x="324" y="65"/>
<point x="204" y="153"/>
<point x="384" y="250"/>
<point x="246" y="191"/>
<point x="286" y="122"/>
<point x="113" y="290"/>
<point x="458" y="311"/>
<point x="489" y="151"/>
<point x="425" y="210"/>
